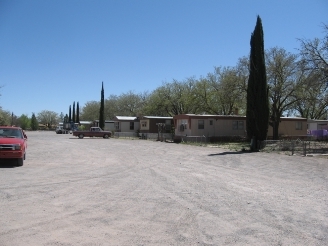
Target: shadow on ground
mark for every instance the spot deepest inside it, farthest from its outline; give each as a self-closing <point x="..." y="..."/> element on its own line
<point x="231" y="153"/>
<point x="8" y="163"/>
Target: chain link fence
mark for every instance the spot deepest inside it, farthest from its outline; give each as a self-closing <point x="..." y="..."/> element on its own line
<point x="194" y="139"/>
<point x="128" y="135"/>
<point x="297" y="147"/>
<point x="146" y="136"/>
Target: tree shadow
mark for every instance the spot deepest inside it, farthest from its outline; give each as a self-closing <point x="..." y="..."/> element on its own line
<point x="8" y="163"/>
<point x="232" y="153"/>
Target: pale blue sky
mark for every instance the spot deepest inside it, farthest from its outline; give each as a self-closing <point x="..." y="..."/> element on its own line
<point x="54" y="52"/>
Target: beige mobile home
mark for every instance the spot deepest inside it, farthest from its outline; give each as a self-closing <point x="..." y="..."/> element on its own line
<point x="209" y="125"/>
<point x="212" y="126"/>
<point x="290" y="127"/>
<point x="126" y="124"/>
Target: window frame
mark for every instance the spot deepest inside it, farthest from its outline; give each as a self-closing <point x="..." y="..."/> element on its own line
<point x="298" y="125"/>
<point x="117" y="125"/>
<point x="144" y="123"/>
<point x="238" y="125"/>
<point x="131" y="125"/>
<point x="201" y="126"/>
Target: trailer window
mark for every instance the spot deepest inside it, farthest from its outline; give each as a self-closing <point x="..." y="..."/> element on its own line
<point x="298" y="125"/>
<point x="200" y="124"/>
<point x="238" y="125"/>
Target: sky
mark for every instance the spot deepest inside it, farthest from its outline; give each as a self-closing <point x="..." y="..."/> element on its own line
<point x="56" y="52"/>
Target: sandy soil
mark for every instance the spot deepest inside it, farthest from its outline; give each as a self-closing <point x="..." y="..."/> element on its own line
<point x="136" y="192"/>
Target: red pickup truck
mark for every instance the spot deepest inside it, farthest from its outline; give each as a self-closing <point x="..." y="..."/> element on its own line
<point x="13" y="144"/>
<point x="94" y="132"/>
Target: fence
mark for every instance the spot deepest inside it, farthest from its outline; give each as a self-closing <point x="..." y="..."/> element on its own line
<point x="149" y="136"/>
<point x="194" y="139"/>
<point x="299" y="147"/>
<point x="155" y="136"/>
<point x="130" y="135"/>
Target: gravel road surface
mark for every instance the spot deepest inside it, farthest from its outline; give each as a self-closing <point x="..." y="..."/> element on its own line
<point x="96" y="191"/>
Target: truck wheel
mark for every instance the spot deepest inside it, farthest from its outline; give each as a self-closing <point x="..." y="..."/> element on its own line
<point x="106" y="136"/>
<point x="81" y="136"/>
<point x="20" y="161"/>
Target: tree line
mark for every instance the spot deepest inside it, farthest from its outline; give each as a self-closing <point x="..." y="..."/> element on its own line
<point x="297" y="86"/>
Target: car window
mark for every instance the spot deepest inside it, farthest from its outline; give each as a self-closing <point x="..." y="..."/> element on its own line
<point x="11" y="133"/>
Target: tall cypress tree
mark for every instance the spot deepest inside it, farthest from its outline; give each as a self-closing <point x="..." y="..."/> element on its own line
<point x="77" y="113"/>
<point x="73" y="118"/>
<point x="70" y="114"/>
<point x="102" y="108"/>
<point x="257" y="111"/>
<point x="34" y="123"/>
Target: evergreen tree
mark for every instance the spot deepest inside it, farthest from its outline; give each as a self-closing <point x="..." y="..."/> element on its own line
<point x="34" y="123"/>
<point x="70" y="114"/>
<point x="66" y="119"/>
<point x="73" y="112"/>
<point x="77" y="113"/>
<point x="257" y="112"/>
<point x="102" y="108"/>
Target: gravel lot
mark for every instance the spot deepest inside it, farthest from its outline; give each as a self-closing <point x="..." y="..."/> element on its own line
<point x="136" y="192"/>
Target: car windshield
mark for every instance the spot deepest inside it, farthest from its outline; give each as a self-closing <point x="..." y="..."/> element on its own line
<point x="10" y="133"/>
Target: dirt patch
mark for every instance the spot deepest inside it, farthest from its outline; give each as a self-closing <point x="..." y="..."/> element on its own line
<point x="138" y="192"/>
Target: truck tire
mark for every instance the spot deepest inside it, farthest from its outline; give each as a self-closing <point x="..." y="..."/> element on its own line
<point x="106" y="136"/>
<point x="20" y="161"/>
<point x="81" y="136"/>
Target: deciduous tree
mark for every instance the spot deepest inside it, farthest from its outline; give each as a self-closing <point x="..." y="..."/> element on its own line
<point x="5" y="117"/>
<point x="315" y="53"/>
<point x="90" y="111"/>
<point x="48" y="118"/>
<point x="24" y="122"/>
<point x="284" y="78"/>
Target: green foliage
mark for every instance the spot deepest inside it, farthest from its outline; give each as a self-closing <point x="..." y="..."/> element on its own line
<point x="61" y="116"/>
<point x="257" y="111"/>
<point x="312" y="98"/>
<point x="229" y="88"/>
<point x="127" y="104"/>
<point x="48" y="118"/>
<point x="73" y="117"/>
<point x="81" y="127"/>
<point x="77" y="112"/>
<point x="225" y="92"/>
<point x="90" y="111"/>
<point x="102" y="108"/>
<point x="24" y="122"/>
<point x="70" y="114"/>
<point x="34" y="123"/>
<point x="5" y="117"/>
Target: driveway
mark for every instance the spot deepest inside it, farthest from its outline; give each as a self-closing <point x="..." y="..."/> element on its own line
<point x="93" y="191"/>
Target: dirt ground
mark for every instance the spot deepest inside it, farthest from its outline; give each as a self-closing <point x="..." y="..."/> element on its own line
<point x="138" y="192"/>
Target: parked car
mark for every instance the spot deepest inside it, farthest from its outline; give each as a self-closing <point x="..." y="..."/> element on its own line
<point x="93" y="132"/>
<point x="13" y="144"/>
<point x="62" y="130"/>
